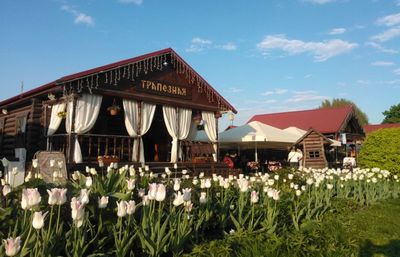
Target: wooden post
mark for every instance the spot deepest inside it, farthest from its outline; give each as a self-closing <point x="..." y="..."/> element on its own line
<point x="138" y="131"/>
<point x="72" y="135"/>
<point x="217" y="151"/>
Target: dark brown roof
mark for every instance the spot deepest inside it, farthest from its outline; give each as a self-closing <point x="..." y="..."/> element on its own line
<point x="115" y="65"/>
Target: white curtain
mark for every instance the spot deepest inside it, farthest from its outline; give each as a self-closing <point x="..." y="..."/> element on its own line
<point x="131" y="110"/>
<point x="55" y="120"/>
<point x="210" y="127"/>
<point x="177" y="121"/>
<point x="70" y="115"/>
<point x="86" y="113"/>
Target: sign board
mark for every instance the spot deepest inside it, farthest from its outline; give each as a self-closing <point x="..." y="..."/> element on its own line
<point x="164" y="89"/>
<point x="52" y="166"/>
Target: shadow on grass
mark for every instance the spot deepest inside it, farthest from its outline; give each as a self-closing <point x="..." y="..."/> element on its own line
<point x="369" y="249"/>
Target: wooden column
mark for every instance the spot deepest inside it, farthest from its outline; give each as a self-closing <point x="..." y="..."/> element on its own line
<point x="139" y="130"/>
<point x="71" y="136"/>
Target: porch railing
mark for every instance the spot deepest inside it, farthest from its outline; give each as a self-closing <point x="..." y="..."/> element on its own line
<point x="93" y="145"/>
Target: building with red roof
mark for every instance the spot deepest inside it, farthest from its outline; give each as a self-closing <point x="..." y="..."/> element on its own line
<point x="331" y="122"/>
<point x="373" y="127"/>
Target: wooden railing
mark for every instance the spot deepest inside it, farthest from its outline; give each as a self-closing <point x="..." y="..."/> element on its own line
<point x="94" y="145"/>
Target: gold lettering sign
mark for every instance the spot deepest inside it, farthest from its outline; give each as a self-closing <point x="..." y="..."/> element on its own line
<point x="162" y="88"/>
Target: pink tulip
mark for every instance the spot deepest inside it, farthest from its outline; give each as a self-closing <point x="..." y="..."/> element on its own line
<point x="12" y="246"/>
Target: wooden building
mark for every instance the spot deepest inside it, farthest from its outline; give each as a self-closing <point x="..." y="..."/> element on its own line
<point x="313" y="146"/>
<point x="143" y="109"/>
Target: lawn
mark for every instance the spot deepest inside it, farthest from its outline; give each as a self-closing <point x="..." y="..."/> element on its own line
<point x="350" y="230"/>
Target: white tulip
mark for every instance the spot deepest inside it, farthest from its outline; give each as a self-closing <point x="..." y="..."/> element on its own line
<point x="121" y="211"/>
<point x="30" y="198"/>
<point x="130" y="207"/>
<point x="103" y="202"/>
<point x="57" y="196"/>
<point x="131" y="184"/>
<point x="254" y="197"/>
<point x="84" y="196"/>
<point x="35" y="163"/>
<point x="178" y="199"/>
<point x="161" y="193"/>
<point x="89" y="181"/>
<point x="6" y="190"/>
<point x="38" y="219"/>
<point x="203" y="197"/>
<point x="187" y="195"/>
<point x="52" y="163"/>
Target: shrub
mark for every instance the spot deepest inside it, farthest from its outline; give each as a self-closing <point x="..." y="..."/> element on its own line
<point x="382" y="149"/>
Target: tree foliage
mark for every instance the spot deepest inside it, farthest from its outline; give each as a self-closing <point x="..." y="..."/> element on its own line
<point x="392" y="115"/>
<point x="381" y="149"/>
<point x="338" y="102"/>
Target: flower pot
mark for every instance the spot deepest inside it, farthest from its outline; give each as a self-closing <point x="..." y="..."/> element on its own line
<point x="113" y="112"/>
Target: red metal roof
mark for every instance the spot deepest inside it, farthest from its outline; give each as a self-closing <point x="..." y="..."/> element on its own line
<point x="326" y="120"/>
<point x="372" y="127"/>
<point x="108" y="67"/>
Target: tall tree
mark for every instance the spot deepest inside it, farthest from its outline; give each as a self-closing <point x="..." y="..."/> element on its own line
<point x="338" y="102"/>
<point x="392" y="115"/>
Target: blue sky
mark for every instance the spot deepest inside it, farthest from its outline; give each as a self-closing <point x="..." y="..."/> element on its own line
<point x="262" y="56"/>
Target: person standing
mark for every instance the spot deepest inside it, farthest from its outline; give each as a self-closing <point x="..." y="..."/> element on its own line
<point x="293" y="158"/>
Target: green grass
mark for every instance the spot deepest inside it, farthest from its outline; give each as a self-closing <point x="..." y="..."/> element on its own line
<point x="350" y="231"/>
<point x="376" y="229"/>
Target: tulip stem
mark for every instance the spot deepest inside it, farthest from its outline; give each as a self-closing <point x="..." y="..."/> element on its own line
<point x="58" y="219"/>
<point x="50" y="223"/>
<point x="27" y="238"/>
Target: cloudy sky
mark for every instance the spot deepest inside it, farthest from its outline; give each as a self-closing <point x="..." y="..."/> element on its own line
<point x="262" y="56"/>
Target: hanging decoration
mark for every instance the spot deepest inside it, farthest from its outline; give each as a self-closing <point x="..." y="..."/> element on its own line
<point x="137" y="68"/>
<point x="114" y="108"/>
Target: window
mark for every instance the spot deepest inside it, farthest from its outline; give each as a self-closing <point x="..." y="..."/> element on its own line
<point x="313" y="154"/>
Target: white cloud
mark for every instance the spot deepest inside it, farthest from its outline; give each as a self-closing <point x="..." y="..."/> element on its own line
<point x="382" y="63"/>
<point x="321" y="51"/>
<point x="396" y="71"/>
<point x="387" y="34"/>
<point x="307" y="76"/>
<point x="234" y="90"/>
<point x="306" y="96"/>
<point x="398" y="2"/>
<point x="389" y="20"/>
<point x="79" y="17"/>
<point x="229" y="46"/>
<point x="276" y="91"/>
<point x="381" y="48"/>
<point x="319" y="1"/>
<point x="137" y="2"/>
<point x="198" y="45"/>
<point x="337" y="31"/>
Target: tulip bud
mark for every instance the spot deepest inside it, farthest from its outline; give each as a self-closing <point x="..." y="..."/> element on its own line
<point x="131" y="207"/>
<point x="38" y="219"/>
<point x="35" y="163"/>
<point x="52" y="162"/>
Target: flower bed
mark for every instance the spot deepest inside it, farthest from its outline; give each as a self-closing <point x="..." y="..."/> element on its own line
<point x="134" y="212"/>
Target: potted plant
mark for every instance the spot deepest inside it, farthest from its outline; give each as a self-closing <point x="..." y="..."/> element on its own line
<point x="114" y="108"/>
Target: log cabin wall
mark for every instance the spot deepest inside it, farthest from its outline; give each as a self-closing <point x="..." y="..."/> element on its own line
<point x="313" y="151"/>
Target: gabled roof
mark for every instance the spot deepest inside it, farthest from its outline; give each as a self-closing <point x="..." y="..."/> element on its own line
<point x="372" y="127"/>
<point x="325" y="120"/>
<point x="179" y="64"/>
<point x="311" y="130"/>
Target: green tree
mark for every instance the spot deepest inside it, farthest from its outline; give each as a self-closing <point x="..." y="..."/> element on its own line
<point x="338" y="102"/>
<point x="392" y="115"/>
